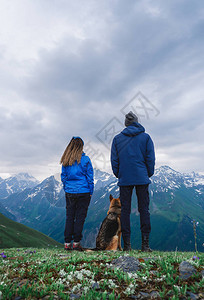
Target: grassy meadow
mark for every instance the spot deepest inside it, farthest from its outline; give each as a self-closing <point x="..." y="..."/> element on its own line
<point x="39" y="273"/>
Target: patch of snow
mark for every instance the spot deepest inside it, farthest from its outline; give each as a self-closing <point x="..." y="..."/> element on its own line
<point x="58" y="187"/>
<point x="31" y="195"/>
<point x="198" y="191"/>
<point x="110" y="188"/>
<point x="9" y="189"/>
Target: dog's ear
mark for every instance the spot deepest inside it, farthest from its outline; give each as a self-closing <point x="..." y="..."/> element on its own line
<point x="111" y="197"/>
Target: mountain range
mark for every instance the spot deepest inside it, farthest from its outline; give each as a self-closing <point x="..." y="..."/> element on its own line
<point x="175" y="200"/>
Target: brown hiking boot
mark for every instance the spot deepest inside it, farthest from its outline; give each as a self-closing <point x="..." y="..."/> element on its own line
<point x="145" y="244"/>
<point x="127" y="244"/>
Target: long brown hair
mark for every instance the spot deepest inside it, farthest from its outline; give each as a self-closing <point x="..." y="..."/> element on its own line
<point x="73" y="152"/>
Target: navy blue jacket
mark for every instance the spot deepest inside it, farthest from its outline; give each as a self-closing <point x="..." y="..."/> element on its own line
<point x="132" y="156"/>
<point x="78" y="178"/>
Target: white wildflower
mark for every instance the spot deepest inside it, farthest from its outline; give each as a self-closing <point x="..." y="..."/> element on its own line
<point x="86" y="289"/>
<point x="70" y="277"/>
<point x="59" y="281"/>
<point x="161" y="278"/>
<point x="87" y="273"/>
<point x="132" y="275"/>
<point x="130" y="289"/>
<point x="76" y="287"/>
<point x="79" y="275"/>
<point x="177" y="287"/>
<point x="144" y="278"/>
<point x="62" y="273"/>
<point x="112" y="284"/>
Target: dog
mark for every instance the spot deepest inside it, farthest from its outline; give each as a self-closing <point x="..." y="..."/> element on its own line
<point x="109" y="235"/>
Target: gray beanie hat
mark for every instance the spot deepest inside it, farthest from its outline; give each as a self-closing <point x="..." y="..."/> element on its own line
<point x="130" y="118"/>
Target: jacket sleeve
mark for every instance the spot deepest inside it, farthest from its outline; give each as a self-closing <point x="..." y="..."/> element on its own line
<point x="90" y="176"/>
<point x="150" y="157"/>
<point x="114" y="159"/>
<point x="63" y="175"/>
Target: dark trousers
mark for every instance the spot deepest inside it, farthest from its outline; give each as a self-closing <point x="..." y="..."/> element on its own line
<point x="143" y="208"/>
<point x="76" y="211"/>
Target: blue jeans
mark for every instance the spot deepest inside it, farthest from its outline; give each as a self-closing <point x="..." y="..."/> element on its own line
<point x="76" y="211"/>
<point x="143" y="208"/>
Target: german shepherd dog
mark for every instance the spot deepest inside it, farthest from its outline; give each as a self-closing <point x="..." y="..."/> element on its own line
<point x="109" y="236"/>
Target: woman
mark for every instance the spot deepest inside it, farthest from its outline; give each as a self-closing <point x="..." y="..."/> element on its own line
<point x="77" y="179"/>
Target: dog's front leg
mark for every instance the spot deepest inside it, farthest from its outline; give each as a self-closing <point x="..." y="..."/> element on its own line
<point x="119" y="241"/>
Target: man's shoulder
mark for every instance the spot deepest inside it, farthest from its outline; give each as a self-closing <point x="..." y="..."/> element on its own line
<point x="118" y="135"/>
<point x="145" y="134"/>
<point x="142" y="134"/>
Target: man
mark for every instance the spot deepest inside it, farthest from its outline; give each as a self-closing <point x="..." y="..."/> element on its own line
<point x="133" y="161"/>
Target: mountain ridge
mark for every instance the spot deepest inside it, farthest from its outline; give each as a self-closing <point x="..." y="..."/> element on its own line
<point x="176" y="198"/>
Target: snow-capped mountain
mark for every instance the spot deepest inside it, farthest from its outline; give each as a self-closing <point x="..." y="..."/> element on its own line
<point x="41" y="207"/>
<point x="16" y="183"/>
<point x="102" y="179"/>
<point x="176" y="199"/>
<point x="167" y="178"/>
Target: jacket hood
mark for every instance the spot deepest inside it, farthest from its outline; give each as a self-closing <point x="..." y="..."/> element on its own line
<point x="133" y="129"/>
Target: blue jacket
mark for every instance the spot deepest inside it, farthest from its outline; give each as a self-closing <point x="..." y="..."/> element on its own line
<point x="132" y="156"/>
<point x="78" y="178"/>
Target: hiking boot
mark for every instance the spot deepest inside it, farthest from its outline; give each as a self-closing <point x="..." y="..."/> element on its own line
<point x="68" y="246"/>
<point x="77" y="246"/>
<point x="145" y="244"/>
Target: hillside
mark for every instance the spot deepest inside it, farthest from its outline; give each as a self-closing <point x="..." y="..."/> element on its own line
<point x="13" y="234"/>
<point x="55" y="274"/>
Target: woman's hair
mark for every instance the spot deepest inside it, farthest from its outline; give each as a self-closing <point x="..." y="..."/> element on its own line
<point x="73" y="152"/>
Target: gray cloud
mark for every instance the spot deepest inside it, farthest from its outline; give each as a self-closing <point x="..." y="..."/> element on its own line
<point x="99" y="57"/>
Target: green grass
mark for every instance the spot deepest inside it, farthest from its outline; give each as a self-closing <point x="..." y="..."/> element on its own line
<point x="57" y="274"/>
<point x="13" y="234"/>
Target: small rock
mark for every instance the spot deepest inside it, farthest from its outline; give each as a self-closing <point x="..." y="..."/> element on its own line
<point x="126" y="263"/>
<point x="192" y="296"/>
<point x="155" y="295"/>
<point x="202" y="273"/>
<point x="74" y="296"/>
<point x="186" y="270"/>
<point x="95" y="286"/>
<point x="18" y="298"/>
<point x="145" y="295"/>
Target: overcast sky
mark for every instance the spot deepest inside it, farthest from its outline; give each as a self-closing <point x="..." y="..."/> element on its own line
<point x="72" y="67"/>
